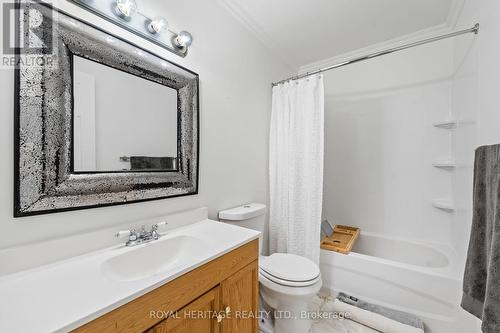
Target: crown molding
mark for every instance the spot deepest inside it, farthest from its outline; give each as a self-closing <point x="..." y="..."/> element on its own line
<point x="273" y="46"/>
<point x="446" y="27"/>
<point x="254" y="28"/>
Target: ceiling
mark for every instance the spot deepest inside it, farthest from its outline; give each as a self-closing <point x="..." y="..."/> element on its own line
<point x="302" y="32"/>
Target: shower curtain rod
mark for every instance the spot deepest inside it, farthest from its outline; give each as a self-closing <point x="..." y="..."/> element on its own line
<point x="474" y="30"/>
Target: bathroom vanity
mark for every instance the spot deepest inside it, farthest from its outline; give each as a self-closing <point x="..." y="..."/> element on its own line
<point x="220" y="296"/>
<point x="199" y="276"/>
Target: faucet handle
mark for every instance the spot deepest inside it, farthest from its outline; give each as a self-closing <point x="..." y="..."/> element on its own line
<point x="122" y="233"/>
<point x="155" y="226"/>
<point x="154" y="229"/>
<point x="132" y="234"/>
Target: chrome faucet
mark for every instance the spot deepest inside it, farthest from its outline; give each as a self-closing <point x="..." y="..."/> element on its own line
<point x="143" y="236"/>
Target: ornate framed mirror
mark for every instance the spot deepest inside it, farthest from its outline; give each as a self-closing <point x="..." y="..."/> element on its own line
<point x="99" y="121"/>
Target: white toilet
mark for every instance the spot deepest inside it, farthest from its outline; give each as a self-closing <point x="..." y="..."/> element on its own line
<point x="288" y="282"/>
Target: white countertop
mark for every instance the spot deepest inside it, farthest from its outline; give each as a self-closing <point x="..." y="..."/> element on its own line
<point x="64" y="295"/>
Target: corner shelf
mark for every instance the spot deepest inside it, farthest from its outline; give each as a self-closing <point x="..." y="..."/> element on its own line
<point x="444" y="204"/>
<point x="446" y="124"/>
<point x="444" y="163"/>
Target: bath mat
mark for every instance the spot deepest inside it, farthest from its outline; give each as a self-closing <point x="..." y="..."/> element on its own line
<point x="399" y="316"/>
<point x="340" y="317"/>
<point x="331" y="324"/>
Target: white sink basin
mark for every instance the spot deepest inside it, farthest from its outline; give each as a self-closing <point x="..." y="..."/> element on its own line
<point x="153" y="258"/>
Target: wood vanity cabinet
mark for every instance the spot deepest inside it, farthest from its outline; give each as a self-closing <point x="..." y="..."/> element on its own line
<point x="220" y="296"/>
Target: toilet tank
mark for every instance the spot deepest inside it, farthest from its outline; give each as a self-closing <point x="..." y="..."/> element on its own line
<point x="251" y="216"/>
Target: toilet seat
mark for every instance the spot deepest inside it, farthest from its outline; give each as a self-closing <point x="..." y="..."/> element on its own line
<point x="270" y="287"/>
<point x="288" y="283"/>
<point x="289" y="270"/>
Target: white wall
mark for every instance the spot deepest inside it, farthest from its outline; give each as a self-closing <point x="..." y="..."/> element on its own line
<point x="489" y="69"/>
<point x="381" y="143"/>
<point x="235" y="72"/>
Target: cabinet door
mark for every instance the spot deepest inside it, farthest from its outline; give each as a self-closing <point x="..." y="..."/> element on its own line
<point x="240" y="298"/>
<point x="195" y="317"/>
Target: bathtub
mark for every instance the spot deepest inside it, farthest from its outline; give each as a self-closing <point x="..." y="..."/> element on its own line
<point x="415" y="277"/>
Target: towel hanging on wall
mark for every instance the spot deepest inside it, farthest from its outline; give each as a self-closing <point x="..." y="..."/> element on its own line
<point x="481" y="286"/>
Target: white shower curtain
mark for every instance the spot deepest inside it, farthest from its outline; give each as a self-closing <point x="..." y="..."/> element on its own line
<point x="296" y="167"/>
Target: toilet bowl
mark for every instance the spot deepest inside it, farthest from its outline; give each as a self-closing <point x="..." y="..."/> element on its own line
<point x="288" y="282"/>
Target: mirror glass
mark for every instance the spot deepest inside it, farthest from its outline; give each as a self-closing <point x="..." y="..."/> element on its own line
<point x="121" y="122"/>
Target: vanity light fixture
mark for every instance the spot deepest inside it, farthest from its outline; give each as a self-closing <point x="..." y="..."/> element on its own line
<point x="125" y="13"/>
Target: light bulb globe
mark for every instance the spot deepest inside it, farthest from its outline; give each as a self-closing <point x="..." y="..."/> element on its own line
<point x="184" y="39"/>
<point x="126" y="8"/>
<point x="158" y="25"/>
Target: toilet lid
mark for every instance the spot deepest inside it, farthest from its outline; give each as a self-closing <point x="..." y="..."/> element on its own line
<point x="289" y="267"/>
<point x="286" y="283"/>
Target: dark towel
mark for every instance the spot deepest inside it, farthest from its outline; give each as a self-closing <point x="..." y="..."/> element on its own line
<point x="399" y="316"/>
<point x="481" y="286"/>
<point x="152" y="163"/>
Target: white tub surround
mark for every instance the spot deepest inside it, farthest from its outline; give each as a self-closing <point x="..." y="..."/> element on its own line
<point x="63" y="295"/>
<point x="405" y="275"/>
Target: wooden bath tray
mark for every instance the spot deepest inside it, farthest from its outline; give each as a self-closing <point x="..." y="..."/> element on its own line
<point x="341" y="240"/>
